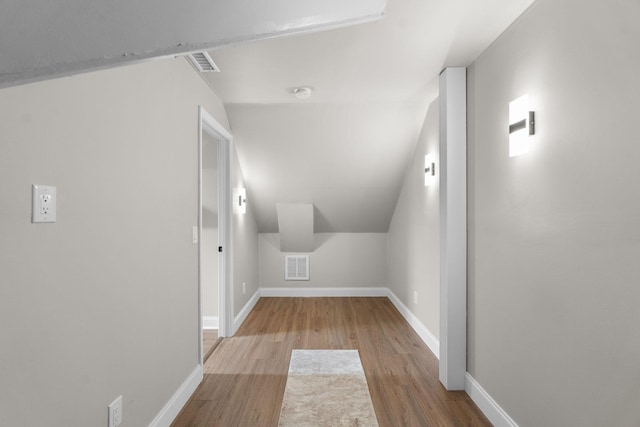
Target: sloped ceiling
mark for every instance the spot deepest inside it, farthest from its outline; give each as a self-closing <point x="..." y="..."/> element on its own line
<point x="345" y="149"/>
<point x="43" y="39"/>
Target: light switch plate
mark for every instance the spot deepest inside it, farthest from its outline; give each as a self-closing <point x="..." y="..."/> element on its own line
<point x="44" y="201"/>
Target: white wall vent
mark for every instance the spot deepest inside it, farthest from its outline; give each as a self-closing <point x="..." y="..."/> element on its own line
<point x="203" y="62"/>
<point x="296" y="267"/>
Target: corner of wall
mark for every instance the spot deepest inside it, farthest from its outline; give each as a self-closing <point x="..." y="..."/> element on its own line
<point x="423" y="332"/>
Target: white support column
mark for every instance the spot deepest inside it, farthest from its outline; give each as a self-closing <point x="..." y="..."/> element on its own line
<point x="453" y="227"/>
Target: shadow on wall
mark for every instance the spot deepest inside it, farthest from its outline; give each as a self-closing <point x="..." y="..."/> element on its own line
<point x="319" y="239"/>
<point x="320" y="222"/>
<point x="209" y="218"/>
<point x="273" y="240"/>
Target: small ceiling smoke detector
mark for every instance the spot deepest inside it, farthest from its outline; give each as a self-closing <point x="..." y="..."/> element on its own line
<point x="302" y="92"/>
<point x="203" y="62"/>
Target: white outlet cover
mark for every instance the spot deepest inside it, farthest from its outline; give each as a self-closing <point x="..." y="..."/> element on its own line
<point x="44" y="203"/>
<point x="115" y="413"/>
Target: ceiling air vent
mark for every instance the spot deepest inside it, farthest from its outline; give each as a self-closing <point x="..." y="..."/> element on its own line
<point x="203" y="62"/>
<point x="296" y="267"/>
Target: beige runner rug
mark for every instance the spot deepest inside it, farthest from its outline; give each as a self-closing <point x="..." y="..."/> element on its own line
<point x="326" y="388"/>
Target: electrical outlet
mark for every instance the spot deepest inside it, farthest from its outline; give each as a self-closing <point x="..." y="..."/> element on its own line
<point x="415" y="297"/>
<point x="244" y="288"/>
<point x="43" y="207"/>
<point x="115" y="412"/>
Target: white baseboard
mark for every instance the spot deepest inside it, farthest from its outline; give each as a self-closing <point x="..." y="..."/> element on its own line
<point x="429" y="339"/>
<point x="173" y="407"/>
<point x="488" y="406"/>
<point x="324" y="292"/>
<point x="210" y="322"/>
<point x="242" y="315"/>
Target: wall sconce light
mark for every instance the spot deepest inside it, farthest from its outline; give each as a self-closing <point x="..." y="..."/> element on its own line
<point x="521" y="126"/>
<point x="429" y="169"/>
<point x="242" y="200"/>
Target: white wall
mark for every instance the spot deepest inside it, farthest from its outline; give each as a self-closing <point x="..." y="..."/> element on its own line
<point x="554" y="238"/>
<point x="103" y="302"/>
<point x="339" y="260"/>
<point x="414" y="234"/>
<point x="209" y="268"/>
<point x="245" y="243"/>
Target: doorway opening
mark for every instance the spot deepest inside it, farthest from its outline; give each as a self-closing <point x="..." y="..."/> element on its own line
<point x="209" y="243"/>
<point x="214" y="214"/>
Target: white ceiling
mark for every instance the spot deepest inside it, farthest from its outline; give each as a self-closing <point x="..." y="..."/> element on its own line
<point x="345" y="148"/>
<point x="41" y="39"/>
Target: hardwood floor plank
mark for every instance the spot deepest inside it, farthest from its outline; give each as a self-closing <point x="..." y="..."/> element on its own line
<point x="197" y="413"/>
<point x="210" y="341"/>
<point x="245" y="378"/>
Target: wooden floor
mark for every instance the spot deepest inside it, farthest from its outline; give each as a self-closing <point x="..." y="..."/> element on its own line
<point x="209" y="342"/>
<point x="246" y="375"/>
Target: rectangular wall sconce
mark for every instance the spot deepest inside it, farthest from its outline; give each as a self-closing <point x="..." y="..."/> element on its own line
<point x="429" y="169"/>
<point x="242" y="200"/>
<point x="521" y="126"/>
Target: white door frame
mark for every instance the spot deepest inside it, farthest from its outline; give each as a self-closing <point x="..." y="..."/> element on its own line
<point x="208" y="124"/>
